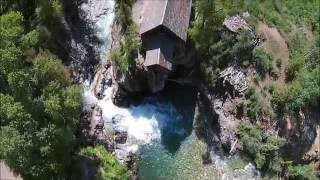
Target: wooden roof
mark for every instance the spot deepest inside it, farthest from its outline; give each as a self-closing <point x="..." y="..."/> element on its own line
<point x="155" y="58"/>
<point x="173" y="14"/>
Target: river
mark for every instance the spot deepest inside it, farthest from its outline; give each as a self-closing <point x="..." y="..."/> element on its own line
<point x="160" y="129"/>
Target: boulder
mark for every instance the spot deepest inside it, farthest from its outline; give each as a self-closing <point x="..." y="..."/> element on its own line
<point x="130" y="82"/>
<point x="120" y="135"/>
<point x="119" y="96"/>
<point x="104" y="81"/>
<point x="116" y="119"/>
<point x="122" y="153"/>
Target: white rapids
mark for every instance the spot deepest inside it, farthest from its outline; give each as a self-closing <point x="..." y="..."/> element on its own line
<point x="143" y="123"/>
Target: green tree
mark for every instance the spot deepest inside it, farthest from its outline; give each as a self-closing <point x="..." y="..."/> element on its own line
<point x="123" y="13"/>
<point x="303" y="172"/>
<point x="111" y="168"/>
<point x="262" y="62"/>
<point x="124" y="56"/>
<point x="206" y="28"/>
<point x="264" y="148"/>
<point x="39" y="109"/>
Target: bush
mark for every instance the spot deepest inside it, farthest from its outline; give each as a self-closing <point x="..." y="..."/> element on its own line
<point x="123" y="13"/>
<point x="111" y="168"/>
<point x="262" y="147"/>
<point x="243" y="47"/>
<point x="303" y="172"/>
<point x="295" y="65"/>
<point x="253" y="106"/>
<point x="124" y="56"/>
<point x="262" y="62"/>
<point x="304" y="91"/>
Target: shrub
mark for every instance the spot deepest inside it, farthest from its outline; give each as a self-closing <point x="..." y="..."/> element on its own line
<point x="123" y="13"/>
<point x="262" y="62"/>
<point x="125" y="55"/>
<point x="111" y="168"/>
<point x="295" y="65"/>
<point x="302" y="92"/>
<point x="242" y="49"/>
<point x="264" y="148"/>
<point x="303" y="172"/>
<point x="57" y="7"/>
<point x="253" y="106"/>
<point x="278" y="63"/>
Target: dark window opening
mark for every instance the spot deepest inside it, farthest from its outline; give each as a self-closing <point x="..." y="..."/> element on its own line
<point x="176" y="51"/>
<point x="162" y="30"/>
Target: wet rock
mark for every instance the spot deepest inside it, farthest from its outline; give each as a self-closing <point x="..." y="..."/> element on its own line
<point x="103" y="81"/>
<point x="121" y="135"/>
<point x="308" y="134"/>
<point x="133" y="83"/>
<point x="119" y="96"/>
<point x="79" y="45"/>
<point x="87" y="168"/>
<point x="122" y="153"/>
<point x="206" y="158"/>
<point x="156" y="81"/>
<point x="116" y="119"/>
<point x="130" y="82"/>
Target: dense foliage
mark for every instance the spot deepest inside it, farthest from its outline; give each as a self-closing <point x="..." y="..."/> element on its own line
<point x="111" y="168"/>
<point x="301" y="93"/>
<point x="39" y="107"/>
<point x="266" y="152"/>
<point x="217" y="47"/>
<point x="262" y="147"/>
<point x="304" y="172"/>
<point x="124" y="55"/>
<point x="123" y="13"/>
<point x="252" y="105"/>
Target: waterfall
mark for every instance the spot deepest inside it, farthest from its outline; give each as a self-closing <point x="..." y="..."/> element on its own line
<point x="100" y="14"/>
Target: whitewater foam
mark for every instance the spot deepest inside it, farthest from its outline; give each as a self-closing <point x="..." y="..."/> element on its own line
<point x="140" y="127"/>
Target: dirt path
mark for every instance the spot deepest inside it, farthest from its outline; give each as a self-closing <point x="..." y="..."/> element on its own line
<point x="275" y="45"/>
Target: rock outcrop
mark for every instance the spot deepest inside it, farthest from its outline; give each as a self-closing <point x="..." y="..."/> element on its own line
<point x="104" y="80"/>
<point x="129" y="85"/>
<point x="228" y="122"/>
<point x="302" y="131"/>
